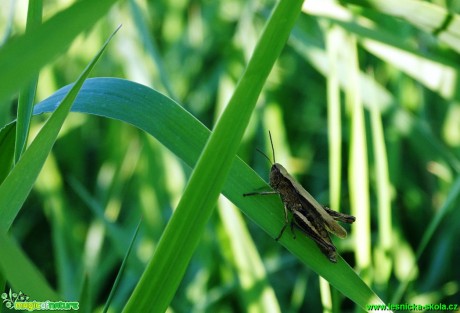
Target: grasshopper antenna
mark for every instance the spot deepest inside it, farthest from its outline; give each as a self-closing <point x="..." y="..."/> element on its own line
<point x="273" y="149"/>
<point x="260" y="151"/>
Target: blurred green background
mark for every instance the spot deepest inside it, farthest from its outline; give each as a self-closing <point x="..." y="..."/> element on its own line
<point x="364" y="109"/>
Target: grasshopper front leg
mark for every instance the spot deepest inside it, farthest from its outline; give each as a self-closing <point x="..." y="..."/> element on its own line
<point x="261" y="193"/>
<point x="286" y="222"/>
<point x="286" y="219"/>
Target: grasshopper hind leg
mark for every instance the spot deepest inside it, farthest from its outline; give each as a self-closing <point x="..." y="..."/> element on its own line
<point x="329" y="252"/>
<point x="345" y="218"/>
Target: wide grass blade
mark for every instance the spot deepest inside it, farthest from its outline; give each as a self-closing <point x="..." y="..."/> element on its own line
<point x="186" y="137"/>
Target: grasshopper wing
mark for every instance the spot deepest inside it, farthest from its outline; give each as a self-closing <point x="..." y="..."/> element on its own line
<point x="308" y="202"/>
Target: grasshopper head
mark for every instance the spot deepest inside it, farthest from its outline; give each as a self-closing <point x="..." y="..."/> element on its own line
<point x="276" y="174"/>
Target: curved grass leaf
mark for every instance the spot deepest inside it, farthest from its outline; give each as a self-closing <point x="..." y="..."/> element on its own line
<point x="186" y="137"/>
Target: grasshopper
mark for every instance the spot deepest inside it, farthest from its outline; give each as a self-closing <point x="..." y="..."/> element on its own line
<point x="313" y="219"/>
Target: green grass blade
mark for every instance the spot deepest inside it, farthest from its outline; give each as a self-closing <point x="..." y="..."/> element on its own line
<point x="18" y="270"/>
<point x="22" y="58"/>
<point x="371" y="93"/>
<point x="160" y="280"/>
<point x="116" y="234"/>
<point x="7" y="140"/>
<point x="186" y="137"/>
<point x="334" y="116"/>
<point x="122" y="268"/>
<point x="17" y="185"/>
<point x="151" y="47"/>
<point x="426" y="16"/>
<point x="383" y="250"/>
<point x="21" y="273"/>
<point x="433" y="69"/>
<point x="9" y="21"/>
<point x="358" y="164"/>
<point x="256" y="291"/>
<point x="334" y="127"/>
<point x="27" y="95"/>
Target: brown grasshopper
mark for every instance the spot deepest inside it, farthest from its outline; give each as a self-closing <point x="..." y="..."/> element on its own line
<point x="315" y="220"/>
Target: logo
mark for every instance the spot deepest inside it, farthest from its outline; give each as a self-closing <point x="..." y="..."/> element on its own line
<point x="20" y="301"/>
